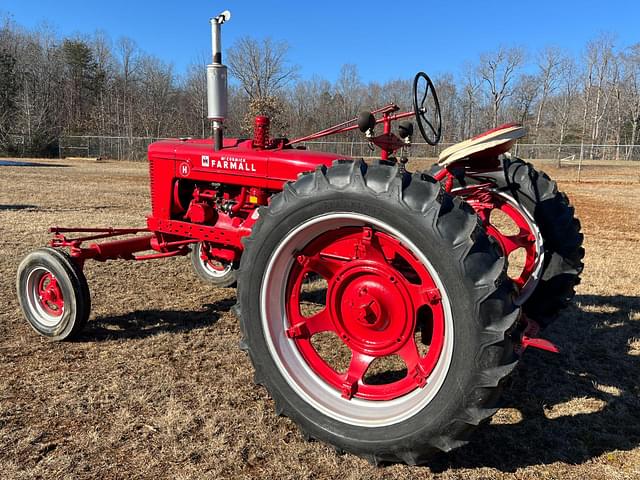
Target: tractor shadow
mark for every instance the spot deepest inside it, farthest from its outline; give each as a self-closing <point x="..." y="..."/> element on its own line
<point x="17" y="207"/>
<point x="145" y="323"/>
<point x="574" y="406"/>
<point x="20" y="163"/>
<point x="38" y="208"/>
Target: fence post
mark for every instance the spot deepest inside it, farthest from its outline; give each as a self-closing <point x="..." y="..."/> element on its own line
<point x="579" y="168"/>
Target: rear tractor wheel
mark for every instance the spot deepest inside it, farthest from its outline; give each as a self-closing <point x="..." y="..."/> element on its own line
<point x="547" y="232"/>
<point x="376" y="311"/>
<point x="53" y="294"/>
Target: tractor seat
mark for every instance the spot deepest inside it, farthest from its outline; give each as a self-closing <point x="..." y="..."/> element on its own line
<point x="488" y="144"/>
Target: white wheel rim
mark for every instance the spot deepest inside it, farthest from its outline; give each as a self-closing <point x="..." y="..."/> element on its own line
<point x="211" y="270"/>
<point x="296" y="371"/>
<point x="34" y="303"/>
<point x="532" y="282"/>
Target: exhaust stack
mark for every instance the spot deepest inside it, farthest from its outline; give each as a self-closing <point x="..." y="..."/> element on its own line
<point x="217" y="81"/>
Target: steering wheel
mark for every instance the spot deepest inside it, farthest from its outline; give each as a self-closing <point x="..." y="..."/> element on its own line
<point x="430" y="134"/>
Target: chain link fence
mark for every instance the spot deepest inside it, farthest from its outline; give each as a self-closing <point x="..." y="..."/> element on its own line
<point x="530" y="151"/>
<point x="113" y="148"/>
<point x="574" y="162"/>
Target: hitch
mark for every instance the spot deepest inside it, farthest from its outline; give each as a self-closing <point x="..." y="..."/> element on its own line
<point x="529" y="338"/>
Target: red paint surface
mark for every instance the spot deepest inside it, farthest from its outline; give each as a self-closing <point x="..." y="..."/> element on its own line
<point x="376" y="288"/>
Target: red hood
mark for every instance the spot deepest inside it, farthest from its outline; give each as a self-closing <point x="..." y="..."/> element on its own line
<point x="239" y="163"/>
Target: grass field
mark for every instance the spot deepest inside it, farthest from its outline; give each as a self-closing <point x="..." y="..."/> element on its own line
<point x="156" y="387"/>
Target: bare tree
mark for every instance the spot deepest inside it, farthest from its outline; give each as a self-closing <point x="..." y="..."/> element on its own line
<point x="263" y="70"/>
<point x="616" y="85"/>
<point x="310" y="103"/>
<point x="526" y="90"/>
<point x="393" y="91"/>
<point x="195" y="87"/>
<point x="448" y="98"/>
<point x="587" y="90"/>
<point x="127" y="58"/>
<point x="600" y="53"/>
<point x="471" y="87"/>
<point x="498" y="70"/>
<point x="549" y="63"/>
<point x="349" y="88"/>
<point x="40" y="112"/>
<point x="157" y="89"/>
<point x="102" y="48"/>
<point x="8" y="91"/>
<point x="631" y="61"/>
<point x="563" y="104"/>
<point x="261" y="66"/>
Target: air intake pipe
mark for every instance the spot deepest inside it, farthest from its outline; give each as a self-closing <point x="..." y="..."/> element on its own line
<point x="217" y="82"/>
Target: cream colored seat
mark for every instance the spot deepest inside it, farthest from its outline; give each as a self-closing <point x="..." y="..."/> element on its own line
<point x="491" y="143"/>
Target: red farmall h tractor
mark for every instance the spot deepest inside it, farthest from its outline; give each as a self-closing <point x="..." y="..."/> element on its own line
<point x="398" y="266"/>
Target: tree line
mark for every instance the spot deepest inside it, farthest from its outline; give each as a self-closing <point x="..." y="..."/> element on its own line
<point x="52" y="86"/>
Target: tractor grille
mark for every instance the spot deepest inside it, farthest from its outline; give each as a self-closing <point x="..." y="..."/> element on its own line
<point x="152" y="179"/>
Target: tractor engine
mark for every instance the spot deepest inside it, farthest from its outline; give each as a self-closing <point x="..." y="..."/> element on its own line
<point x="189" y="196"/>
<point x="210" y="195"/>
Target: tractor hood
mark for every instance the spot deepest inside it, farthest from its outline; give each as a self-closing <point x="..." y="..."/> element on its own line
<point x="238" y="162"/>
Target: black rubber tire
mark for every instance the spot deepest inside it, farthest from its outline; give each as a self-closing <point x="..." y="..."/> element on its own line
<point x="560" y="230"/>
<point x="228" y="280"/>
<point x="468" y="262"/>
<point x="74" y="287"/>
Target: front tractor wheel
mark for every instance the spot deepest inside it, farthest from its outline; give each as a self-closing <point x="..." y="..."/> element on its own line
<point x="53" y="294"/>
<point x="375" y="310"/>
<point x="215" y="272"/>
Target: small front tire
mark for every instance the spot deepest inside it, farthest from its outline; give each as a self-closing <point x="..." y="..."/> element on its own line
<point x="217" y="273"/>
<point x="53" y="294"/>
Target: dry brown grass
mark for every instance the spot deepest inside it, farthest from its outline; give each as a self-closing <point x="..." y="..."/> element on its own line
<point x="156" y="387"/>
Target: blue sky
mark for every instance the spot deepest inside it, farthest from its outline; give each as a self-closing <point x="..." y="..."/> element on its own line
<point x="387" y="40"/>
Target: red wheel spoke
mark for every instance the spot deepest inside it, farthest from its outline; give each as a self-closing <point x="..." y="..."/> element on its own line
<point x="415" y="370"/>
<point x="426" y="294"/>
<point x="514" y="242"/>
<point x="369" y="247"/>
<point x="355" y="373"/>
<point x="484" y="201"/>
<point x="45" y="295"/>
<point x="410" y="354"/>
<point x="320" y="322"/>
<point x="307" y="327"/>
<point x="324" y="266"/>
<point x="484" y="214"/>
<point x="53" y="285"/>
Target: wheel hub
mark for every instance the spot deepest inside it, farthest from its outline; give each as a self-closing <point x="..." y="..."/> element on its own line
<point x="50" y="295"/>
<point x="371" y="309"/>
